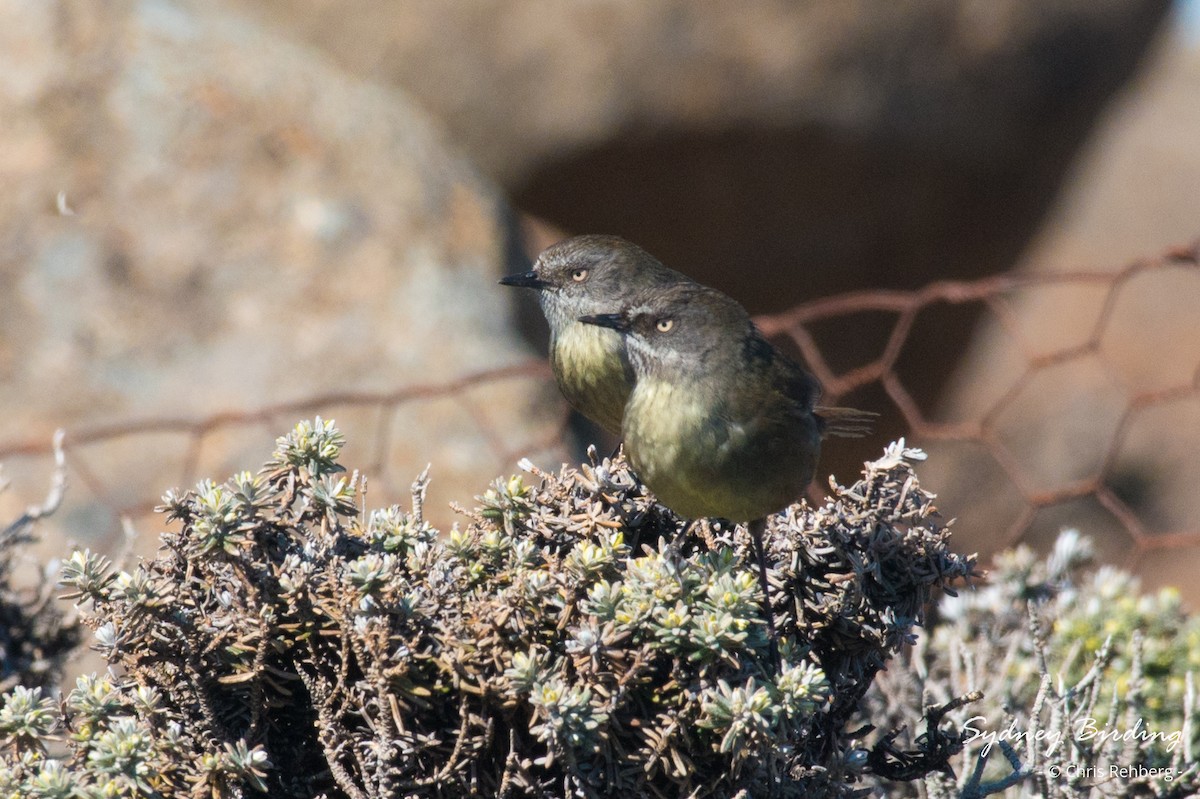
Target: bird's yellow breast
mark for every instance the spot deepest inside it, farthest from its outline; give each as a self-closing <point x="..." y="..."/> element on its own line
<point x="677" y="450"/>
<point x="701" y="461"/>
<point x="592" y="372"/>
<point x="667" y="424"/>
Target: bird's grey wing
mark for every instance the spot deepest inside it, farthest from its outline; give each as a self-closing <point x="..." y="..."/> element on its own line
<point x="785" y="380"/>
<point x="790" y="379"/>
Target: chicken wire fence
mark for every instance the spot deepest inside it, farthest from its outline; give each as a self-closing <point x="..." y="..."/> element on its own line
<point x="1001" y="296"/>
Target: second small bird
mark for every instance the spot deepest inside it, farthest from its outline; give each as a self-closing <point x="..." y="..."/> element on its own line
<point x="719" y="422"/>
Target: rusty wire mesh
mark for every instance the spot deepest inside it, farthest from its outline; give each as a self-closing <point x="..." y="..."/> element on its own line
<point x="276" y="419"/>
<point x="996" y="293"/>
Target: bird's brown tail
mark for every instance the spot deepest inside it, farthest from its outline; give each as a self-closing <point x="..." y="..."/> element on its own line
<point x="845" y="422"/>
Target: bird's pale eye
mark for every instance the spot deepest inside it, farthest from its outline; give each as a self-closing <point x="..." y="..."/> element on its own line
<point x="664" y="325"/>
<point x="579" y="275"/>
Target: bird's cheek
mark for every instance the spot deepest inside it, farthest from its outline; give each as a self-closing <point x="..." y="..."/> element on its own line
<point x="639" y="354"/>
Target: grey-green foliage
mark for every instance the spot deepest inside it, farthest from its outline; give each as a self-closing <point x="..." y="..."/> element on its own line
<point x="1088" y="680"/>
<point x="286" y="642"/>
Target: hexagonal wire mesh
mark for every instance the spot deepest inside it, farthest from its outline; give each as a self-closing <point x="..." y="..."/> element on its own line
<point x="1090" y="377"/>
<point x="982" y="425"/>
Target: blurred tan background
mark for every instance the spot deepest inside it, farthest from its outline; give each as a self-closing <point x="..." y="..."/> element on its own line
<point x="219" y="218"/>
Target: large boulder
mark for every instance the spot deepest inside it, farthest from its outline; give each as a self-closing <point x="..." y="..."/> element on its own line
<point x="781" y="148"/>
<point x="1117" y="397"/>
<point x="207" y="232"/>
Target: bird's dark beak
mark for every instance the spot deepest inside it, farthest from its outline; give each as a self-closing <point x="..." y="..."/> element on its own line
<point x="615" y="321"/>
<point x="525" y="280"/>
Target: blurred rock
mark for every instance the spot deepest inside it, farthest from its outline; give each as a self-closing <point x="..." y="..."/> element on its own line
<point x="781" y="150"/>
<point x="203" y="221"/>
<point x="763" y="140"/>
<point x="1134" y="193"/>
